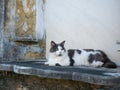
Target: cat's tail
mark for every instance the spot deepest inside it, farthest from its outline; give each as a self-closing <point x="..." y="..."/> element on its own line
<point x="107" y="62"/>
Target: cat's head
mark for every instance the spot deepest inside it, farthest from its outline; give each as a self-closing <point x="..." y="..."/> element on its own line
<point x="57" y="49"/>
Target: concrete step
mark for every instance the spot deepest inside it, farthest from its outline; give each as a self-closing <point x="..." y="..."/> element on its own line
<point x="98" y="76"/>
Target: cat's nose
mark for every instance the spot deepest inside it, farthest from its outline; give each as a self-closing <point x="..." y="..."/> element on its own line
<point x="60" y="55"/>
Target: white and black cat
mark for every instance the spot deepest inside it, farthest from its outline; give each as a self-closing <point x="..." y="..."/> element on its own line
<point x="73" y="57"/>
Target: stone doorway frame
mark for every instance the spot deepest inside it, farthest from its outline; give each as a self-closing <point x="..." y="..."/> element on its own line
<point x="5" y="45"/>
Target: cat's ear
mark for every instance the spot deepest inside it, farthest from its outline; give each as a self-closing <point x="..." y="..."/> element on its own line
<point x="62" y="43"/>
<point x="53" y="43"/>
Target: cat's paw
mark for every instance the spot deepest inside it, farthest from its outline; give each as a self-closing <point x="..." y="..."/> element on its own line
<point x="46" y="63"/>
<point x="49" y="64"/>
<point x="57" y="64"/>
<point x="97" y="64"/>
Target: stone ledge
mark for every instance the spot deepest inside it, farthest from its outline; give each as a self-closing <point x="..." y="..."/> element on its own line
<point x="99" y="76"/>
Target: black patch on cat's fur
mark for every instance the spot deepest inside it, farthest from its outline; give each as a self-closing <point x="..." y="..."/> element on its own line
<point x="57" y="64"/>
<point x="78" y="51"/>
<point x="103" y="58"/>
<point x="91" y="58"/>
<point x="107" y="62"/>
<point x="53" y="48"/>
<point x="71" y="54"/>
<point x="63" y="48"/>
<point x="89" y="50"/>
<point x="97" y="57"/>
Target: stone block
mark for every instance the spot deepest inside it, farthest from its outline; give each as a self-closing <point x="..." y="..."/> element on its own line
<point x="98" y="76"/>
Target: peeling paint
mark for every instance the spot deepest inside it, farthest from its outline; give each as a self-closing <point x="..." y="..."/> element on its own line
<point x="26" y="17"/>
<point x="25" y="27"/>
<point x="24" y="36"/>
<point x="35" y="49"/>
<point x="25" y="7"/>
<point x="33" y="8"/>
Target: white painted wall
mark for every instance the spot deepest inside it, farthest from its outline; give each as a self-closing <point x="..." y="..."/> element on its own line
<point x="84" y="24"/>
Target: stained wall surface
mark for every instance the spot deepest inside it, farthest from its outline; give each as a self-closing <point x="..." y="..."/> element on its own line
<point x="22" y="33"/>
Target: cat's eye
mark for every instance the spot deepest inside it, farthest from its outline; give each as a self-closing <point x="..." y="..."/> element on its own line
<point x="56" y="48"/>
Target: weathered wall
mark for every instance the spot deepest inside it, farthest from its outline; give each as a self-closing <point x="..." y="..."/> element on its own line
<point x="84" y="24"/>
<point x="24" y="33"/>
<point x="26" y="18"/>
<point x="1" y="27"/>
<point x="11" y="81"/>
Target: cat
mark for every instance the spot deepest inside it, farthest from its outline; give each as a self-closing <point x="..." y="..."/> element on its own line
<point x="59" y="56"/>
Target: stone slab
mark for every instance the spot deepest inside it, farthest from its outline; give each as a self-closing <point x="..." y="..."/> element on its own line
<point x="99" y="76"/>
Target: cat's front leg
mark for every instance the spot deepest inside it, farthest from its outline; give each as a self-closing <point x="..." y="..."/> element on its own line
<point x="50" y="63"/>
